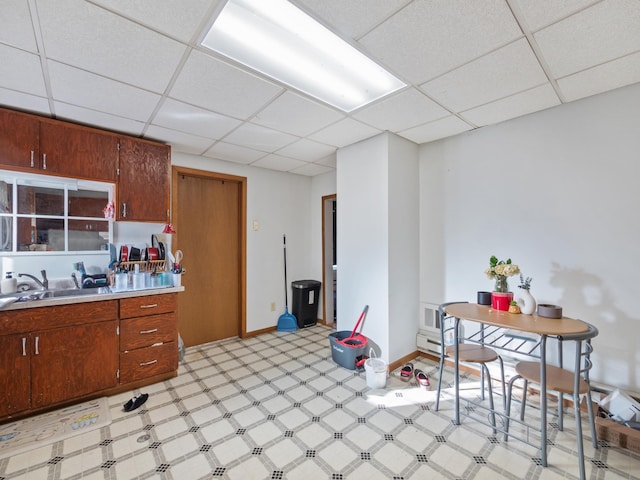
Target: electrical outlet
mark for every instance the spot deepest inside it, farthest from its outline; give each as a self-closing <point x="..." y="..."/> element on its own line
<point x="273" y="306"/>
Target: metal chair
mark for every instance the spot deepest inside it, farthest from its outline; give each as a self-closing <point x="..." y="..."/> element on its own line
<point x="562" y="381"/>
<point x="469" y="353"/>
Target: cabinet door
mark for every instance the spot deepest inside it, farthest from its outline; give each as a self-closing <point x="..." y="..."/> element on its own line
<point x="143" y="181"/>
<point x="15" y="394"/>
<point x="18" y="140"/>
<point x="71" y="362"/>
<point x="78" y="152"/>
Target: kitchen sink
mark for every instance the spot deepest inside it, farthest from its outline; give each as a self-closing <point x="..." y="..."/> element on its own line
<point x="32" y="295"/>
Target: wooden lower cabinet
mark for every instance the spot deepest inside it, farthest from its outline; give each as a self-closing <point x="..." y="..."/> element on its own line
<point x="148" y="337"/>
<point x="73" y="362"/>
<point x="55" y="355"/>
<point x="15" y="393"/>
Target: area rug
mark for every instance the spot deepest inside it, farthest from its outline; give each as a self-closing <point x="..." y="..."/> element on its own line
<point x="27" y="434"/>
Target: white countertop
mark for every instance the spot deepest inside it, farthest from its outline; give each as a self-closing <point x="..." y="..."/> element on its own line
<point x="86" y="298"/>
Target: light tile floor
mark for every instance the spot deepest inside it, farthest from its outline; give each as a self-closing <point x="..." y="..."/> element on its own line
<point x="276" y="406"/>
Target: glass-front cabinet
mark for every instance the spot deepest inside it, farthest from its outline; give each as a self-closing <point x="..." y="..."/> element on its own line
<point x="39" y="213"/>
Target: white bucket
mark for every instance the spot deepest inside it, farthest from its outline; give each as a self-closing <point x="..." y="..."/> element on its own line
<point x="376" y="371"/>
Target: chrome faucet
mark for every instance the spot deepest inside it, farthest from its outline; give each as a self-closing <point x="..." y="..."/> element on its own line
<point x="44" y="283"/>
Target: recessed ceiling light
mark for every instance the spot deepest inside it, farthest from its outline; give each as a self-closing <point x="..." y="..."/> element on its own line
<point x="279" y="40"/>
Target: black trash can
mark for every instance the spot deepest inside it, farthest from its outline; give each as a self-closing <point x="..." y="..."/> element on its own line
<point x="306" y="294"/>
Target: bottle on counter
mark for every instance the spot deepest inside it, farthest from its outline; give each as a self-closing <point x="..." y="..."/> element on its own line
<point x="9" y="284"/>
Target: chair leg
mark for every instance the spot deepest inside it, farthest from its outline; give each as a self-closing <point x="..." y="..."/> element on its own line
<point x="507" y="408"/>
<point x="592" y="423"/>
<point x="504" y="393"/>
<point x="491" y="406"/>
<point x="440" y="381"/>
<point x="525" y="387"/>
<point x="576" y="406"/>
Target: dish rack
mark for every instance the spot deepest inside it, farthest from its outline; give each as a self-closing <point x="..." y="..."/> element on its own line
<point x="144" y="266"/>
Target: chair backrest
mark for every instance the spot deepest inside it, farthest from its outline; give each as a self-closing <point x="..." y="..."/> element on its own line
<point x="583" y="349"/>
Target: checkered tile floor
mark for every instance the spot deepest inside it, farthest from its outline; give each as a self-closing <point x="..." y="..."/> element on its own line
<point x="277" y="407"/>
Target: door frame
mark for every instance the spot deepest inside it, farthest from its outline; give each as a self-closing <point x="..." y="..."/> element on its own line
<point x="327" y="250"/>
<point x="176" y="171"/>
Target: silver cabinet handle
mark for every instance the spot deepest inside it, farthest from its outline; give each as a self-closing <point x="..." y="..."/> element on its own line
<point x="24" y="346"/>
<point x="37" y="342"/>
<point x="144" y="364"/>
<point x="124" y="210"/>
<point x="151" y="305"/>
<point x="32" y="154"/>
<point x="153" y="330"/>
<point x="44" y="161"/>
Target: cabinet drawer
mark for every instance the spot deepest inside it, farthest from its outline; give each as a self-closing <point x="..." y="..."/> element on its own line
<point x="147" y="362"/>
<point x="148" y="305"/>
<point x="145" y="331"/>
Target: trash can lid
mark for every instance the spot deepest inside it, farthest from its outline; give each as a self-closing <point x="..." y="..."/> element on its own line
<point x="305" y="283"/>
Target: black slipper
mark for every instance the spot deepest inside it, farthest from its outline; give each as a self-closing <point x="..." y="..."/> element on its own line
<point x="135" y="402"/>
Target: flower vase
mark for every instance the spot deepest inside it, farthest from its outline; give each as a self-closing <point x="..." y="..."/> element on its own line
<point x="529" y="302"/>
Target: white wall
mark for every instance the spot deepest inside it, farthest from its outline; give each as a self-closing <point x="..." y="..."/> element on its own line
<point x="556" y="191"/>
<point x="362" y="238"/>
<point x="377" y="236"/>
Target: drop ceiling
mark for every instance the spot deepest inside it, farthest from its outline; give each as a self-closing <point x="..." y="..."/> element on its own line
<point x="137" y="68"/>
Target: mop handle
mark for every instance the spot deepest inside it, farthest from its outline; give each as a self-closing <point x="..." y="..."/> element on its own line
<point x="362" y="315"/>
<point x="284" y="244"/>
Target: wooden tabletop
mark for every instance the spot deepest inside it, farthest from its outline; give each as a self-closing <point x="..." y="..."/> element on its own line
<point x="516" y="321"/>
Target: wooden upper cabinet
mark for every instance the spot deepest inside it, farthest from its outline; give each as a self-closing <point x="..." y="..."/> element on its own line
<point x="19" y="140"/>
<point x="144" y="178"/>
<point x="78" y="152"/>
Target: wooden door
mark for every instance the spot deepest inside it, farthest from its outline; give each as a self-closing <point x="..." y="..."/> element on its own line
<point x="78" y="152"/>
<point x="209" y="212"/>
<point x="71" y="362"/>
<point x="19" y="140"/>
<point x="143" y="188"/>
<point x="15" y="394"/>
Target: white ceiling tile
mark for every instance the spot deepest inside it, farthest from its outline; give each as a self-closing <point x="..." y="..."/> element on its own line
<point x="21" y="71"/>
<point x="260" y="138"/>
<point x="24" y="101"/>
<point x="426" y="39"/>
<point x="233" y="153"/>
<point x="401" y="111"/>
<point x="86" y="36"/>
<point x="329" y="161"/>
<point x="64" y="111"/>
<point x="180" y="20"/>
<point x="180" y="141"/>
<point x="603" y="32"/>
<point x="16" y="27"/>
<point x="614" y="74"/>
<point x="311" y="169"/>
<point x="344" y="133"/>
<point x="215" y="85"/>
<point x="197" y="121"/>
<point x="501" y="73"/>
<point x="297" y="115"/>
<point x="306" y="150"/>
<point x="277" y="162"/>
<point x="442" y="128"/>
<point x="523" y="103"/>
<point x="540" y="13"/>
<point x="78" y="87"/>
<point x="353" y="18"/>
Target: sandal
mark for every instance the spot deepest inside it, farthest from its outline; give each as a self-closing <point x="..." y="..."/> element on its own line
<point x="135" y="402"/>
<point x="406" y="372"/>
<point x="422" y="379"/>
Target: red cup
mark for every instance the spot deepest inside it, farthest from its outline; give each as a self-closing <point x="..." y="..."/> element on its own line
<point x="501" y="300"/>
<point x="152" y="253"/>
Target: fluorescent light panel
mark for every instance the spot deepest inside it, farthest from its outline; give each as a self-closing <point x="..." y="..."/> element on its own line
<point x="279" y="40"/>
